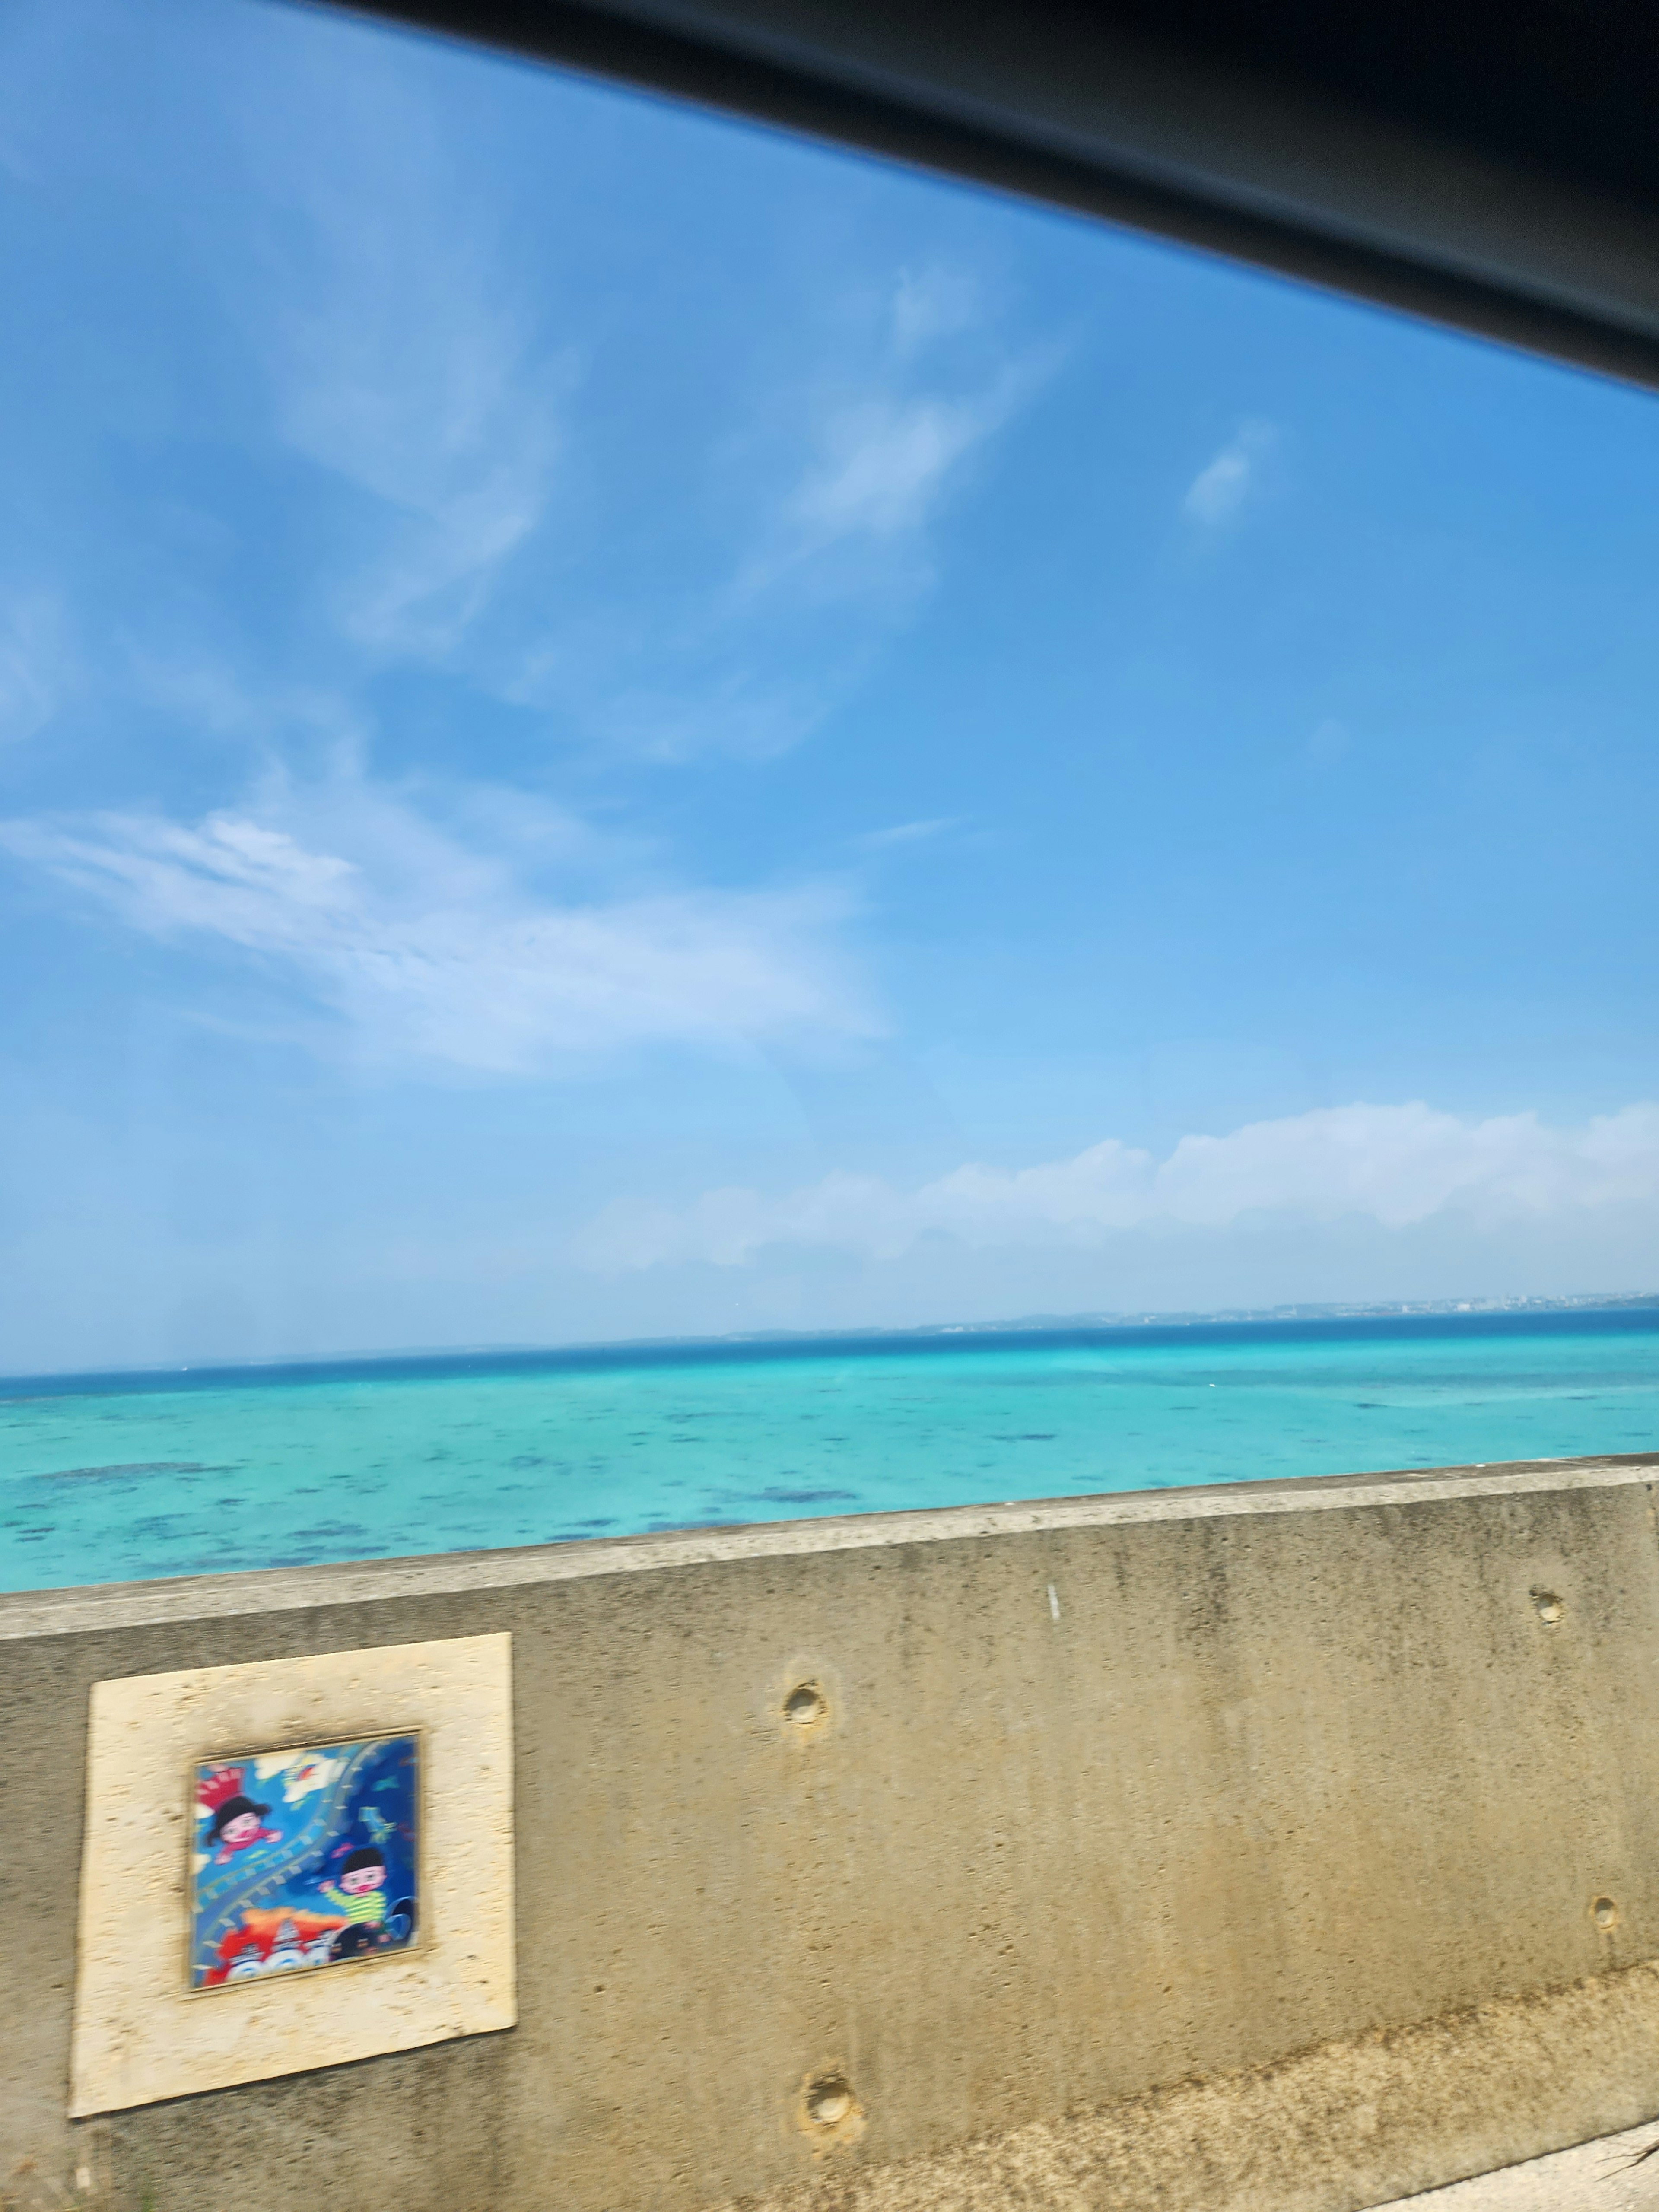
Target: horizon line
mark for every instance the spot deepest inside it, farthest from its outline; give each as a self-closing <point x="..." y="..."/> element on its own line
<point x="1023" y="1324"/>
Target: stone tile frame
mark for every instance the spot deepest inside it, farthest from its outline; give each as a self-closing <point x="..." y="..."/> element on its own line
<point x="140" y="2034"/>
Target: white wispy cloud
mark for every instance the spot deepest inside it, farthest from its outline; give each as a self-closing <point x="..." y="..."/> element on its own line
<point x="884" y="459"/>
<point x="36" y="666"/>
<point x="440" y="948"/>
<point x="405" y="353"/>
<point x="831" y="502"/>
<point x="933" y="302"/>
<point x="882" y="454"/>
<point x="908" y="833"/>
<point x="1395" y="1165"/>
<point x="1219" y="491"/>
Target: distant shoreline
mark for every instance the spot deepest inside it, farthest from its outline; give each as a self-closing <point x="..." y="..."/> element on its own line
<point x="1482" y="1315"/>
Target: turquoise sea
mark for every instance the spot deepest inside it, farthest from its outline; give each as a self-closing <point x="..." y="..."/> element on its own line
<point x="104" y="1477"/>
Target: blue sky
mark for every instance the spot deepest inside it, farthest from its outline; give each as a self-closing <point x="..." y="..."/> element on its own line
<point x="612" y="725"/>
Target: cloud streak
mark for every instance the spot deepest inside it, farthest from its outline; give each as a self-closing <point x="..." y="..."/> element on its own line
<point x="1218" y="493"/>
<point x="35" y="665"/>
<point x="884" y="459"/>
<point x="435" y="950"/>
<point x="1394" y="1165"/>
<point x="447" y="422"/>
<point x="405" y="355"/>
<point x="821" y="517"/>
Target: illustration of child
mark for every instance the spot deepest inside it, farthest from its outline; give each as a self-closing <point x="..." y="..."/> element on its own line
<point x="237" y="1820"/>
<point x="361" y="1895"/>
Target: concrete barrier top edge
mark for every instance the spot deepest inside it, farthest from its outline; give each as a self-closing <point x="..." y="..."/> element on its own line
<point x="126" y="1604"/>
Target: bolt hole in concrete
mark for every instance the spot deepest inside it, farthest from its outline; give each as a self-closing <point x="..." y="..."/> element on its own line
<point x="1606" y="1911"/>
<point x="805" y="1705"/>
<point x="1550" y="1606"/>
<point x="829" y="2101"/>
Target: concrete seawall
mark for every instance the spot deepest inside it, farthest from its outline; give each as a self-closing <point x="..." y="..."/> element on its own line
<point x="1279" y="1846"/>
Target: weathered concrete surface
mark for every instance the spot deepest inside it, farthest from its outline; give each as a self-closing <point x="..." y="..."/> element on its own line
<point x="1327" y="2129"/>
<point x="1608" y="2175"/>
<point x="1226" y="1849"/>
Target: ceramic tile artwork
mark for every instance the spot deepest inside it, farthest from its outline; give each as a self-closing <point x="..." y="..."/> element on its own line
<point x="304" y="1858"/>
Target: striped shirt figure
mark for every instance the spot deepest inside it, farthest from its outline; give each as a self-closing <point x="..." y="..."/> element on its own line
<point x="361" y="1892"/>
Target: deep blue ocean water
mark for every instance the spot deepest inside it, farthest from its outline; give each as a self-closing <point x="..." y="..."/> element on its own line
<point x="104" y="1477"/>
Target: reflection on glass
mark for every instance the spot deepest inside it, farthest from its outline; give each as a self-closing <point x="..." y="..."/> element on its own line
<point x="614" y="728"/>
